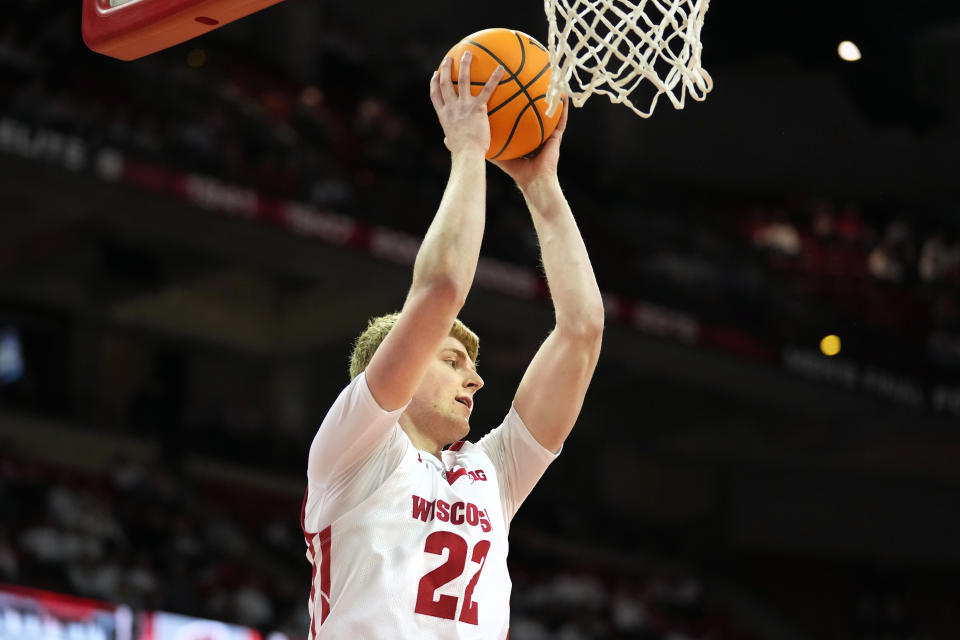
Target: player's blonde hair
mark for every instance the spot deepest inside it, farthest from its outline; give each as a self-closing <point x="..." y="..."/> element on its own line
<point x="378" y="328"/>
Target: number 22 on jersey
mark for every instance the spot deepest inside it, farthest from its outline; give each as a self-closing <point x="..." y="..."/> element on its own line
<point x="445" y="606"/>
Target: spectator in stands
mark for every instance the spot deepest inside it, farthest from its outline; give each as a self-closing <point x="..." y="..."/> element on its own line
<point x="251" y="606"/>
<point x="900" y="238"/>
<point x="9" y="562"/>
<point x="527" y="627"/>
<point x="45" y="543"/>
<point x="850" y="226"/>
<point x="185" y="543"/>
<point x="140" y="583"/>
<point x="824" y="222"/>
<point x="883" y="263"/>
<point x="778" y="234"/>
<point x="97" y="577"/>
<point x="627" y="610"/>
<point x="936" y="258"/>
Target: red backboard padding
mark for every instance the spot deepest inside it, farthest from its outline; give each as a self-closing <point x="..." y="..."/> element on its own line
<point x="139" y="27"/>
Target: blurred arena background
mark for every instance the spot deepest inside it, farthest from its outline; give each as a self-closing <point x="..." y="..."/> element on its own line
<point x="189" y="243"/>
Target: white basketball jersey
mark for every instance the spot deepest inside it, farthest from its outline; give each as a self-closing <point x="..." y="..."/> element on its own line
<point x="404" y="545"/>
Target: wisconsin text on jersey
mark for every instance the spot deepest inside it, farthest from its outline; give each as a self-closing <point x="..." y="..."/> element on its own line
<point x="455" y="513"/>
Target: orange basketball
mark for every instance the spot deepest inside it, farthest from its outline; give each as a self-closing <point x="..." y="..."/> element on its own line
<point x="518" y="106"/>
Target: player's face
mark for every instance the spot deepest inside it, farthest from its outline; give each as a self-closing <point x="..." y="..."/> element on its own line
<point x="442" y="404"/>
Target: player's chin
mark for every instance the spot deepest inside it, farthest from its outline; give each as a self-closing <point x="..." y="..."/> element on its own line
<point x="461" y="428"/>
<point x="456" y="435"/>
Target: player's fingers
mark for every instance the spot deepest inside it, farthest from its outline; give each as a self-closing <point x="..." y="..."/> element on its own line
<point x="463" y="82"/>
<point x="446" y="75"/>
<point x="490" y="85"/>
<point x="563" y="116"/>
<point x="435" y="97"/>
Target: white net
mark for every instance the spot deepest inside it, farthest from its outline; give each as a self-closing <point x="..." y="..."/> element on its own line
<point x="611" y="46"/>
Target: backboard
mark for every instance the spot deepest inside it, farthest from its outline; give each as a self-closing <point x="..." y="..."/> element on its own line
<point x="130" y="29"/>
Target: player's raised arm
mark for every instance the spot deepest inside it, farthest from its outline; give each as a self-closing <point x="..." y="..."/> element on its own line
<point x="447" y="259"/>
<point x="552" y="390"/>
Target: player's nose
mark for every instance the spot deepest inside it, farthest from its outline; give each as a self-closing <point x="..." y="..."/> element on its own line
<point x="473" y="381"/>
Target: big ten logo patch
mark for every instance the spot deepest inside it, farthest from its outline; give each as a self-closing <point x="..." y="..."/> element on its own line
<point x="475" y="476"/>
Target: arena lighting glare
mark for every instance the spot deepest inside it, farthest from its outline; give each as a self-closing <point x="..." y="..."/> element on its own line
<point x="830" y="345"/>
<point x="848" y="51"/>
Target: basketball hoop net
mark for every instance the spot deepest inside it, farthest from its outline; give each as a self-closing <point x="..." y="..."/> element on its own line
<point x="611" y="46"/>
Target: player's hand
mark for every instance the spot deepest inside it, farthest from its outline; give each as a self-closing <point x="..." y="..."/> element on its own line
<point x="462" y="115"/>
<point x="543" y="163"/>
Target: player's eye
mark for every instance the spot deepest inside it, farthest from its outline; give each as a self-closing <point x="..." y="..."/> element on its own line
<point x="453" y="363"/>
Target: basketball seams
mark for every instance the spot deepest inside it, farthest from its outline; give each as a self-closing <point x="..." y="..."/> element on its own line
<point x="529" y="99"/>
<point x="513" y="74"/>
<point x="536" y="44"/>
<point x="523" y="89"/>
<point x="516" y="123"/>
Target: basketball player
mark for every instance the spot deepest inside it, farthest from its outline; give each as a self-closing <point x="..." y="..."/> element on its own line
<point x="408" y="539"/>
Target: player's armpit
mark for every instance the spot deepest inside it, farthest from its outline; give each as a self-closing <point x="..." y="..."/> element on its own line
<point x="518" y="459"/>
<point x="401" y="360"/>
